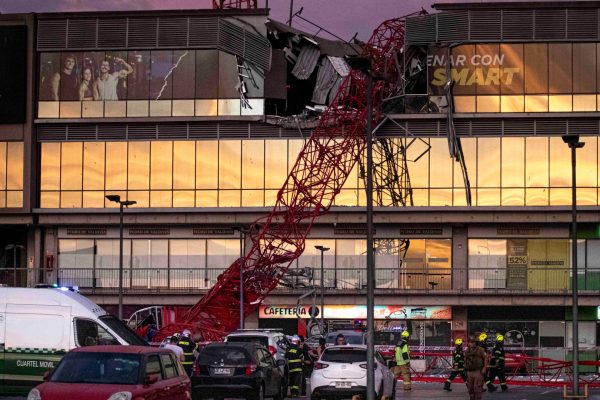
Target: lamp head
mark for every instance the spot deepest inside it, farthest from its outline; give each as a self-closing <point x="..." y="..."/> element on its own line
<point x="128" y="202"/>
<point x="321" y="248"/>
<point x="572" y="141"/>
<point x="113" y="197"/>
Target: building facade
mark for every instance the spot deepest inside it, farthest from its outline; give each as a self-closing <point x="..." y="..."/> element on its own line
<point x="170" y="110"/>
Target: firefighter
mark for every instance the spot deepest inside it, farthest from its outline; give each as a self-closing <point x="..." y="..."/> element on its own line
<point x="403" y="360"/>
<point x="497" y="366"/>
<point x="295" y="362"/>
<point x="188" y="346"/>
<point x="458" y="364"/>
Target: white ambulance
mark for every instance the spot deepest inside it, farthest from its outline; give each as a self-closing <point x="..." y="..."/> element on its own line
<point x="38" y="326"/>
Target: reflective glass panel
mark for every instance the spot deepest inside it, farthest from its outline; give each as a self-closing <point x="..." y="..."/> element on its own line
<point x="230" y="169"/>
<point x="50" y="169"/>
<point x="275" y="163"/>
<point x="207" y="74"/>
<point x="253" y="164"/>
<point x="183" y="198"/>
<point x="71" y="166"/>
<point x="488" y="64"/>
<point x="139" y="165"/>
<point x="3" y="146"/>
<point x="560" y="165"/>
<point x="536" y="161"/>
<point x="536" y="68"/>
<point x="228" y="76"/>
<point x="512" y="103"/>
<point x="229" y="198"/>
<point x="207" y="164"/>
<point x="184" y="75"/>
<point x="440" y="164"/>
<point x="488" y="162"/>
<point x="417" y="156"/>
<point x="584" y="67"/>
<point x="512" y="69"/>
<point x="513" y="197"/>
<point x="513" y="162"/>
<point x="161" y="79"/>
<point x="138" y="82"/>
<point x="93" y="166"/>
<point x="488" y="197"/>
<point x="161" y="166"/>
<point x="184" y="156"/>
<point x="488" y="103"/>
<point x="561" y="68"/>
<point x="587" y="162"/>
<point x="469" y="147"/>
<point x="116" y="168"/>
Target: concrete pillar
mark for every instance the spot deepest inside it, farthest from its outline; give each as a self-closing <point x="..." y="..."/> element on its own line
<point x="459" y="322"/>
<point x="251" y="321"/>
<point x="460" y="254"/>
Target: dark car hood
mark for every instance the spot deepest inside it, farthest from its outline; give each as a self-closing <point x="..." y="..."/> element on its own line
<point x="83" y="391"/>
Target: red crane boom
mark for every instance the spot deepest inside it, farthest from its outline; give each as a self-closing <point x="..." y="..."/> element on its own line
<point x="318" y="175"/>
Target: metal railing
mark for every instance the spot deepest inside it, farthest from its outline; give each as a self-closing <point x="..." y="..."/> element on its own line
<point x="457" y="280"/>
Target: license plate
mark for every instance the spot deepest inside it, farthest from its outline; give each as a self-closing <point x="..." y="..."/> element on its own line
<point x="222" y="371"/>
<point x="343" y="385"/>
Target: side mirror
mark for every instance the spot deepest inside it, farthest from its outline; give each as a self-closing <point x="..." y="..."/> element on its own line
<point x="46" y="375"/>
<point x="150" y="379"/>
<point x="280" y="363"/>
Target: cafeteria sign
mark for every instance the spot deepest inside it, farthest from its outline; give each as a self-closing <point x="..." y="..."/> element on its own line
<point x="337" y="311"/>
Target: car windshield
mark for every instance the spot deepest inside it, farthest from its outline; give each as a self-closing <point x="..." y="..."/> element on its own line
<point x="351" y="338"/>
<point x="223" y="355"/>
<point x="92" y="367"/>
<point x="262" y="340"/>
<point x="341" y="355"/>
<point x="122" y="330"/>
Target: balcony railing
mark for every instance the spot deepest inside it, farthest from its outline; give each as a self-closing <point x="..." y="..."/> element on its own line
<point x="456" y="280"/>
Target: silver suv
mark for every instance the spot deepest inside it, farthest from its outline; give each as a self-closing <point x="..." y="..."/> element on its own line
<point x="273" y="339"/>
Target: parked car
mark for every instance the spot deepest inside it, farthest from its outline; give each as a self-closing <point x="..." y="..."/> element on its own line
<point x="56" y="320"/>
<point x="115" y="373"/>
<point x="352" y="337"/>
<point x="342" y="372"/>
<point x="274" y="340"/>
<point x="237" y="370"/>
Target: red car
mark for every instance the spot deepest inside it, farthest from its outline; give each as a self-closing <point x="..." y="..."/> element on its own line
<point x="115" y="373"/>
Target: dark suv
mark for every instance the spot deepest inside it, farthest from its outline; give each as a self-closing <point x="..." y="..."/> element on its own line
<point x="237" y="370"/>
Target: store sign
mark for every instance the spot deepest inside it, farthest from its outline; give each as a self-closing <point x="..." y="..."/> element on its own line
<point x="337" y="311"/>
<point x="468" y="69"/>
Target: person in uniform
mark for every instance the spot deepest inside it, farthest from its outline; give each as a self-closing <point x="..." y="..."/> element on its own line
<point x="188" y="346"/>
<point x="458" y="364"/>
<point x="476" y="367"/>
<point x="295" y="360"/>
<point x="497" y="366"/>
<point x="402" y="356"/>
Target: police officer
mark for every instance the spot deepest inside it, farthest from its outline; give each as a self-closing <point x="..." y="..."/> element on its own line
<point x="403" y="360"/>
<point x="458" y="364"/>
<point x="497" y="366"/>
<point x="295" y="361"/>
<point x="482" y="342"/>
<point x="188" y="346"/>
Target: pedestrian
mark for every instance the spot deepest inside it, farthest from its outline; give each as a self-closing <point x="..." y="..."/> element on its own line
<point x="307" y="364"/>
<point x="458" y="364"/>
<point x="482" y="342"/>
<point x="497" y="366"/>
<point x="188" y="346"/>
<point x="173" y="345"/>
<point x="476" y="366"/>
<point x="295" y="361"/>
<point x="321" y="347"/>
<point x="402" y="356"/>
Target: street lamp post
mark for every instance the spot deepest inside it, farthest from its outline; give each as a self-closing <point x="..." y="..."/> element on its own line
<point x="117" y="199"/>
<point x="14" y="248"/>
<point x="573" y="142"/>
<point x="363" y="64"/>
<point x="243" y="231"/>
<point x="322" y="249"/>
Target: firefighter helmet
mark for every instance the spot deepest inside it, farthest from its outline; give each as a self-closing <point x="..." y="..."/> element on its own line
<point x="458" y="341"/>
<point x="482" y="337"/>
<point x="405" y="334"/>
<point x="499" y="338"/>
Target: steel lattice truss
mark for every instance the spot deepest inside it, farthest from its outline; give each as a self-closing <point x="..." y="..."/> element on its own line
<point x="321" y="169"/>
<point x="218" y="4"/>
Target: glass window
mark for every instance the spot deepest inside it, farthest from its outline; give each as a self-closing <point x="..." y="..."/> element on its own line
<point x="253" y="164"/>
<point x="207" y="74"/>
<point x="513" y="162"/>
<point x="536" y="68"/>
<point x="71" y="166"/>
<point x="230" y="170"/>
<point x="161" y="165"/>
<point x="169" y="366"/>
<point x="512" y="69"/>
<point x="587" y="162"/>
<point x="584" y="68"/>
<point x="469" y="148"/>
<point x="221" y="253"/>
<point x="228" y="76"/>
<point x="50" y="66"/>
<point x="275" y="163"/>
<point x="207" y="164"/>
<point x="560" y="69"/>
<point x="560" y="165"/>
<point x="463" y="71"/>
<point x="116" y="168"/>
<point x="184" y="76"/>
<point x="3" y="166"/>
<point x="138" y="173"/>
<point x="14" y="166"/>
<point x="536" y="162"/>
<point x="488" y="162"/>
<point x="487" y="63"/>
<point x="138" y="82"/>
<point x="89" y="333"/>
<point x="153" y="366"/>
<point x="184" y="156"/>
<point x="93" y="166"/>
<point x="441" y="164"/>
<point x="161" y="80"/>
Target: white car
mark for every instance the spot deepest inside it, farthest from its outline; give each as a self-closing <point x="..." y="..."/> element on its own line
<point x="342" y="372"/>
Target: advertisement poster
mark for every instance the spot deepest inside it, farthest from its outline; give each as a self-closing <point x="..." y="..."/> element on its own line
<point x="391" y="312"/>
